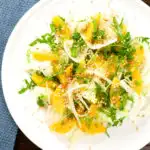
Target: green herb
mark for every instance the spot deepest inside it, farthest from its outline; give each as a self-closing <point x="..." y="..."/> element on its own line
<point x="83" y="79"/>
<point x="143" y="40"/>
<point x="88" y="120"/>
<point x="74" y="51"/>
<point x="28" y="86"/>
<point x="52" y="27"/>
<point x="62" y="18"/>
<point x="98" y="35"/>
<point x="106" y="132"/>
<point x="95" y="25"/>
<point x="119" y="121"/>
<point x="86" y="80"/>
<point x="28" y="54"/>
<point x="47" y="39"/>
<point x="75" y="66"/>
<point x="125" y="42"/>
<point x="82" y="20"/>
<point x="78" y="44"/>
<point x="76" y="36"/>
<point x="123" y="101"/>
<point x="55" y="29"/>
<point x="101" y="94"/>
<point x="68" y="113"/>
<point x="118" y="27"/>
<point x="41" y="100"/>
<point x="40" y="73"/>
<point x="111" y="113"/>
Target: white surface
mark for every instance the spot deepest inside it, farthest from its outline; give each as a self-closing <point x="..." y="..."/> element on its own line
<point x="23" y="107"/>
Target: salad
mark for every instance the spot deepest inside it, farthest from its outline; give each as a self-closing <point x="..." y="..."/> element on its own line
<point x="92" y="72"/>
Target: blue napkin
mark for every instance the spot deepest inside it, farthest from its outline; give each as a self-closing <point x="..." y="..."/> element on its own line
<point x="10" y="12"/>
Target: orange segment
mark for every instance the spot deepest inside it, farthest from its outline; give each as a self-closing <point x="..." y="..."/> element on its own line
<point x="93" y="110"/>
<point x="40" y="81"/>
<point x="63" y="27"/>
<point x="68" y="70"/>
<point x="138" y="58"/>
<point x="90" y="27"/>
<point x="97" y="18"/>
<point x="137" y="84"/>
<point x="58" y="21"/>
<point x="94" y="128"/>
<point x="124" y="29"/>
<point x="62" y="78"/>
<point x="66" y="75"/>
<point x="44" y="56"/>
<point x="89" y="32"/>
<point x="58" y="100"/>
<point x="115" y="92"/>
<point x="64" y="126"/>
<point x="139" y="55"/>
<point x="99" y="61"/>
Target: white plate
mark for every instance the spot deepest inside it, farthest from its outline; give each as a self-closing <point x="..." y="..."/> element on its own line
<point x="23" y="107"/>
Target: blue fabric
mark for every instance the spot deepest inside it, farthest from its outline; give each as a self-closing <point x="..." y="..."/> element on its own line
<point x="10" y="12"/>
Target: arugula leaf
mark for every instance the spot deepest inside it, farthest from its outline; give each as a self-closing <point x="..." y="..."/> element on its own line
<point x="99" y="34"/>
<point x="76" y="36"/>
<point x="78" y="44"/>
<point x="125" y="97"/>
<point x="47" y="39"/>
<point x="52" y="27"/>
<point x="111" y="112"/>
<point x="117" y="27"/>
<point x="144" y="40"/>
<point x="29" y="85"/>
<point x="41" y="100"/>
<point x="102" y="95"/>
<point x="125" y="42"/>
<point x="119" y="121"/>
